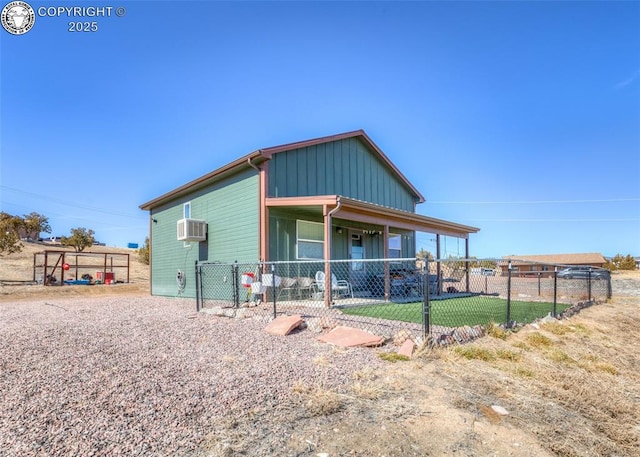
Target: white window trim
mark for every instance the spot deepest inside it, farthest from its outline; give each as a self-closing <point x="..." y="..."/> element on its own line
<point x="298" y="239"/>
<point x="399" y="251"/>
<point x="186" y="210"/>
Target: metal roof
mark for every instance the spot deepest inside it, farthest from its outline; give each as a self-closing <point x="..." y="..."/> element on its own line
<point x="589" y="258"/>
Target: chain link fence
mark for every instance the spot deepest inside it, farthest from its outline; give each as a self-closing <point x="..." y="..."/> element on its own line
<point x="446" y="300"/>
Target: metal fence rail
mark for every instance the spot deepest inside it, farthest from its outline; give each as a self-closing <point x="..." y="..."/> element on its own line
<point x="445" y="299"/>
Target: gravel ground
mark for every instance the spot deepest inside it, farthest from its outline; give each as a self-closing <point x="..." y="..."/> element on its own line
<point x="628" y="286"/>
<point x="147" y="376"/>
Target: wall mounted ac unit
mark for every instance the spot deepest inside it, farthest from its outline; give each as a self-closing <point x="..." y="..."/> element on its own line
<point x="192" y="230"/>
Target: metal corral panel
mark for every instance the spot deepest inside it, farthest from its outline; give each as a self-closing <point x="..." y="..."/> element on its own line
<point x="230" y="208"/>
<point x="345" y="167"/>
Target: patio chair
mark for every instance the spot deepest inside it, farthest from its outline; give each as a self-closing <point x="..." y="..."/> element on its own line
<point x="338" y="286"/>
<point x="306" y="286"/>
<point x="288" y="286"/>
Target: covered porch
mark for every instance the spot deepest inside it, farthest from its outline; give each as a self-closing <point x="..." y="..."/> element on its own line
<point x="342" y="228"/>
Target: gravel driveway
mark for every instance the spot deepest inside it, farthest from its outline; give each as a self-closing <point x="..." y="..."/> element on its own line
<point x="146" y="376"/>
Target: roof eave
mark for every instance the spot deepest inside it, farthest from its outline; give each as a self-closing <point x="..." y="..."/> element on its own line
<point x="204" y="180"/>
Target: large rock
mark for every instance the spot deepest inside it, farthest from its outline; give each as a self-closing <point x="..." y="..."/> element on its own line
<point x="283" y="325"/>
<point x="351" y="337"/>
<point x="407" y="348"/>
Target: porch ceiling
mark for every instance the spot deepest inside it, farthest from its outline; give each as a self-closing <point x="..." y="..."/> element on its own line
<point x="356" y="210"/>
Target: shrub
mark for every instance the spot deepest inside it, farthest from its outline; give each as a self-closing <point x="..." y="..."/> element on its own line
<point x="620" y="262"/>
<point x="10" y="233"/>
<point x="143" y="252"/>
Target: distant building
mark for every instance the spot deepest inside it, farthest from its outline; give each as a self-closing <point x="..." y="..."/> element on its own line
<point x="532" y="265"/>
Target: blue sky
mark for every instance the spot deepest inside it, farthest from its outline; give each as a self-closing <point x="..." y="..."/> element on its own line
<point x="521" y="118"/>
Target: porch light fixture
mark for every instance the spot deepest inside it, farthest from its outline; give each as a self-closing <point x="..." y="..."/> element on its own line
<point x="338" y="229"/>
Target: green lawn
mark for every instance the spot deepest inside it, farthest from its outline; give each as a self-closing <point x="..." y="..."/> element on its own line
<point x="456" y="312"/>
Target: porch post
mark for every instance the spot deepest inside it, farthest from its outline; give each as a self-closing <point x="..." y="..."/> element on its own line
<point x="263" y="213"/>
<point x="438" y="265"/>
<point x="387" y="279"/>
<point x="466" y="256"/>
<point x="328" y="293"/>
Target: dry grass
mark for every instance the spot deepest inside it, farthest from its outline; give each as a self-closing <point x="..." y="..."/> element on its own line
<point x="557" y="328"/>
<point x="368" y="390"/>
<point x="576" y="381"/>
<point x="537" y="340"/>
<point x="509" y="355"/>
<point x="393" y="357"/>
<point x="475" y="352"/>
<point x="322" y="402"/>
<point x="495" y="331"/>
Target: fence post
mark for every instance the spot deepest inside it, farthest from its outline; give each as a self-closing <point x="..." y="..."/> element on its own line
<point x="539" y="286"/>
<point x="467" y="269"/>
<point x="274" y="288"/>
<point x="234" y="284"/>
<point x="198" y="307"/>
<point x="508" y="323"/>
<point x="555" y="291"/>
<point x="589" y="285"/>
<point x="426" y="321"/>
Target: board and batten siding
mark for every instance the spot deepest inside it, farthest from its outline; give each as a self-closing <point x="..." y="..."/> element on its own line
<point x="230" y="207"/>
<point x="345" y="167"/>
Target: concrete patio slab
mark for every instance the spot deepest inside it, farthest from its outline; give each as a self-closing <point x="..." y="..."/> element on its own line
<point x="284" y="325"/>
<point x="351" y="337"/>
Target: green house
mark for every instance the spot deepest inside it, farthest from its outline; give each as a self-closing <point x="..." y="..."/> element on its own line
<point x="335" y="197"/>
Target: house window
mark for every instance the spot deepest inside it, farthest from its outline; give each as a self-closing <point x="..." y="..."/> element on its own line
<point x="395" y="246"/>
<point x="310" y="240"/>
<point x="186" y="210"/>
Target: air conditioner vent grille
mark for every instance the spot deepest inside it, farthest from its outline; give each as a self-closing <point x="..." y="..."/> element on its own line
<point x="192" y="230"/>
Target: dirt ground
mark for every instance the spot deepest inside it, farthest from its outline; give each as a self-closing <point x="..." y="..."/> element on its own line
<point x="16" y="275"/>
<point x="569" y="388"/>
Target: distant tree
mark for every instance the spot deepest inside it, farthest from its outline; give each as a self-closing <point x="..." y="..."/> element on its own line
<point x="489" y="264"/>
<point x="423" y="254"/>
<point x="143" y="252"/>
<point x="10" y="233"/>
<point x="80" y="239"/>
<point x="629" y="263"/>
<point x="453" y="261"/>
<point x="34" y="224"/>
<point x="620" y="262"/>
